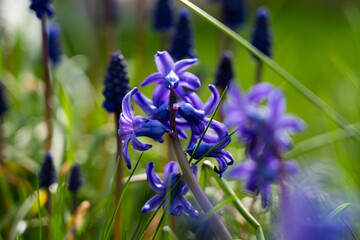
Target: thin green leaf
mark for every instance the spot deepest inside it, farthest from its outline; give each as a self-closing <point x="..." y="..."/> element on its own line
<point x="208" y="125"/>
<point x="335" y="116"/>
<point x="121" y="197"/>
<point x="338" y="212"/>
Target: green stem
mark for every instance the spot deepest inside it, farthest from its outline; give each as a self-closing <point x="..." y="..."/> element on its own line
<point x="237" y="203"/>
<point x="258" y="71"/>
<point x="335" y="116"/>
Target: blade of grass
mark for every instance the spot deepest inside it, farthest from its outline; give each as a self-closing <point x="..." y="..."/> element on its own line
<point x="170" y="231"/>
<point x="321" y="140"/>
<point x="110" y="199"/>
<point x="208" y="125"/>
<point x="212" y="149"/>
<point x="313" y="98"/>
<point x="237" y="202"/>
<point x="337" y="212"/>
<point x="121" y="197"/>
<point x="38" y="203"/>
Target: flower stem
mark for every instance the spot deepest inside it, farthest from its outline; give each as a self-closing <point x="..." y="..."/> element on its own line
<point x="258" y="71"/>
<point x="47" y="88"/>
<point x="109" y="28"/>
<point x="2" y="143"/>
<point x="118" y="179"/>
<point x="192" y="182"/>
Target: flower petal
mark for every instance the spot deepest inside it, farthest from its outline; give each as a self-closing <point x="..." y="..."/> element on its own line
<point x="171" y="167"/>
<point x="152" y="78"/>
<point x="292" y="124"/>
<point x="242" y="170"/>
<point x="184" y="64"/>
<point x="265" y="195"/>
<point x="160" y="95"/>
<point x="164" y="62"/>
<point x="277" y="106"/>
<point x="154" y="181"/>
<point x="137" y="145"/>
<point x="145" y="103"/>
<point x="189" y="80"/>
<point x="127" y="106"/>
<point x="260" y="92"/>
<point x="188" y="209"/>
<point x="193" y="99"/>
<point x="153" y="203"/>
<point x="222" y="166"/>
<point x="212" y="102"/>
<point x="125" y="151"/>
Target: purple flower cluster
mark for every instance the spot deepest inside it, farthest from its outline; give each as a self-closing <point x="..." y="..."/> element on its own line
<point x="42" y="8"/>
<point x="264" y="128"/>
<point x="55" y="47"/>
<point x="188" y="113"/>
<point x="178" y="203"/>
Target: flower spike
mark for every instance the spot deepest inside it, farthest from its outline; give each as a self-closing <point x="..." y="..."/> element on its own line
<point x="42" y="8"/>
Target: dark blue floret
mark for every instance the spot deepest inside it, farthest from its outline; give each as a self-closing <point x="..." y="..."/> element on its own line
<point x="75" y="179"/>
<point x="183" y="42"/>
<point x="116" y="83"/>
<point x="42" y="8"/>
<point x="54" y="43"/>
<point x="233" y="12"/>
<point x="47" y="173"/>
<point x="261" y="35"/>
<point x="224" y="73"/>
<point x="163" y="15"/>
<point x="3" y="100"/>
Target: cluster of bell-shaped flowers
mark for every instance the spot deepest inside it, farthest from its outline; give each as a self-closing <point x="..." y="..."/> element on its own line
<point x="190" y="114"/>
<point x="265" y="129"/>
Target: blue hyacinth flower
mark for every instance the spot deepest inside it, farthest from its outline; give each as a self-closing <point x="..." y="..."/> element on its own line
<point x="261" y="36"/>
<point x="233" y="12"/>
<point x="178" y="203"/>
<point x="132" y="127"/>
<point x="225" y="73"/>
<point x="55" y="48"/>
<point x="75" y="179"/>
<point x="163" y="15"/>
<point x="210" y="140"/>
<point x="47" y="174"/>
<point x="42" y="8"/>
<point x="3" y="100"/>
<point x="116" y="83"/>
<point x="183" y="40"/>
<point x="194" y="113"/>
<point x="173" y="75"/>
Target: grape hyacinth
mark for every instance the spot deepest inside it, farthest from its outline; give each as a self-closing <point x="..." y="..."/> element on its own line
<point x="183" y="42"/>
<point x="265" y="130"/>
<point x="163" y="15"/>
<point x="261" y="35"/>
<point x="75" y="178"/>
<point x="116" y="83"/>
<point x="3" y="100"/>
<point x="54" y="45"/>
<point x="178" y="204"/>
<point x="42" y="8"/>
<point x="233" y="12"/>
<point x="48" y="173"/>
<point x="225" y="73"/>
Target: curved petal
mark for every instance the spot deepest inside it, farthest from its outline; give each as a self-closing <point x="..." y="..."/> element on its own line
<point x="125" y="151"/>
<point x="188" y="209"/>
<point x="228" y="156"/>
<point x="241" y="170"/>
<point x="184" y="64"/>
<point x="260" y="92"/>
<point x="194" y="100"/>
<point x="265" y="195"/>
<point x="153" y="180"/>
<point x="164" y="62"/>
<point x="137" y="145"/>
<point x="277" y="106"/>
<point x="175" y="208"/>
<point x="182" y="134"/>
<point x="189" y="80"/>
<point x="127" y="106"/>
<point x="212" y="102"/>
<point x="292" y="124"/>
<point x="222" y="166"/>
<point x="161" y="95"/>
<point x="153" y="203"/>
<point x="221" y="131"/>
<point x="290" y="167"/>
<point x="145" y="103"/>
<point x="152" y="78"/>
<point x="171" y="167"/>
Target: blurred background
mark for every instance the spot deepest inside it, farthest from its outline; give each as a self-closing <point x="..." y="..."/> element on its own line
<point x="317" y="41"/>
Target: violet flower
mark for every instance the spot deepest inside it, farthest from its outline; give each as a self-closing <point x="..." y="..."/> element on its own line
<point x="194" y="113"/>
<point x="178" y="203"/>
<point x="172" y="75"/>
<point x="42" y="8"/>
<point x="223" y="157"/>
<point x="132" y="127"/>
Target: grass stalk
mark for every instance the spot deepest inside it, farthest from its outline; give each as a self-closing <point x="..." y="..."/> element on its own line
<point x="118" y="179"/>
